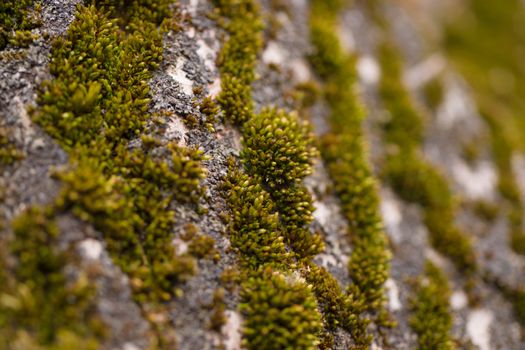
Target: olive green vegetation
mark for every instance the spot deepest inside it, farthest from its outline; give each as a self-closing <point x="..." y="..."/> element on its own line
<point x="17" y="18"/>
<point x="238" y="57"/>
<point x="281" y="312"/>
<point x="431" y="319"/>
<point x="433" y="93"/>
<point x="271" y="208"/>
<point x="495" y="68"/>
<point x="279" y="149"/>
<point x="344" y="152"/>
<point x="340" y="309"/>
<point x="412" y="177"/>
<point x="39" y="307"/>
<point x="254" y="226"/>
<point x="8" y="151"/>
<point x="96" y="103"/>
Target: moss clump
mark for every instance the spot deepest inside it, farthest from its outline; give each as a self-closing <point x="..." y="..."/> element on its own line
<point x="39" y="305"/>
<point x="413" y="178"/>
<point x="269" y="204"/>
<point x="432" y="320"/>
<point x="340" y="309"/>
<point x="8" y="152"/>
<point x="17" y="18"/>
<point x="238" y="56"/>
<point x="345" y="156"/>
<point x="218" y="318"/>
<point x="281" y="312"/>
<point x="96" y="104"/>
<point x="279" y="149"/>
<point x="254" y="228"/>
<point x="433" y="93"/>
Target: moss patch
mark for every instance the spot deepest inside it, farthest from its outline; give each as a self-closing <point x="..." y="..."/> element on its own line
<point x="344" y="153"/>
<point x="39" y="305"/>
<point x="412" y="177"/>
<point x="17" y="18"/>
<point x="432" y="319"/>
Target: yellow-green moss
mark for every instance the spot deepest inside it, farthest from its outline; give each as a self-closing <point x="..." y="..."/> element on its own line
<point x="279" y="150"/>
<point x="98" y="102"/>
<point x="340" y="309"/>
<point x="270" y="205"/>
<point x="281" y="312"/>
<point x="238" y="56"/>
<point x="254" y="228"/>
<point x="8" y="151"/>
<point x="496" y="76"/>
<point x="39" y="305"/>
<point x="432" y="319"/>
<point x="412" y="177"/>
<point x="17" y="18"/>
<point x="344" y="153"/>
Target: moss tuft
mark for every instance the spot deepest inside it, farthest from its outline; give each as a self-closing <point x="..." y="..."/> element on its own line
<point x="413" y="178"/>
<point x="432" y="319"/>
<point x="17" y="18"/>
<point x="281" y="312"/>
<point x="345" y="156"/>
<point x="39" y="305"/>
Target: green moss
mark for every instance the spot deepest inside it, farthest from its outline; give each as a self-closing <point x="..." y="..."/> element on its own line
<point x="8" y="152"/>
<point x="340" y="309"/>
<point x="96" y="104"/>
<point x="497" y="80"/>
<point x="345" y="156"/>
<point x="202" y="247"/>
<point x="432" y="319"/>
<point x="270" y="206"/>
<point x="254" y="229"/>
<point x="281" y="312"/>
<point x="279" y="149"/>
<point x="485" y="210"/>
<point x="17" y="18"/>
<point x="404" y="128"/>
<point x="433" y="93"/>
<point x="38" y="303"/>
<point x="218" y="318"/>
<point x="238" y="56"/>
<point x="413" y="178"/>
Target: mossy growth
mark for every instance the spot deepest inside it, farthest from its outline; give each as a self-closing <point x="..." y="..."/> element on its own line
<point x="413" y="178"/>
<point x="39" y="305"/>
<point x="433" y="93"/>
<point x="9" y="153"/>
<point x="404" y="127"/>
<point x="496" y="76"/>
<point x="340" y="309"/>
<point x="432" y="319"/>
<point x="203" y="247"/>
<point x="17" y="18"/>
<point x="218" y="317"/>
<point x="238" y="56"/>
<point x="345" y="156"/>
<point x="96" y="104"/>
<point x="254" y="228"/>
<point x="486" y="210"/>
<point x="281" y="312"/>
<point x="279" y="150"/>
